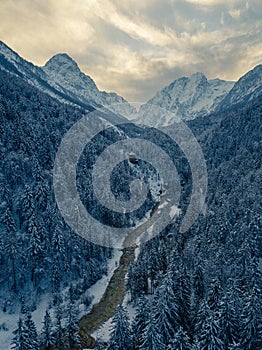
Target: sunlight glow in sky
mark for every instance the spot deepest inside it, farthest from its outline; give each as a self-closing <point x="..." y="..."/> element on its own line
<point x="137" y="47"/>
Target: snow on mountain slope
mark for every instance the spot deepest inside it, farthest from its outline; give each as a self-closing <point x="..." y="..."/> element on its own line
<point x="11" y="62"/>
<point x="9" y="57"/>
<point x="95" y="292"/>
<point x="187" y="98"/>
<point x="64" y="74"/>
<point x="248" y="87"/>
<point x="61" y="78"/>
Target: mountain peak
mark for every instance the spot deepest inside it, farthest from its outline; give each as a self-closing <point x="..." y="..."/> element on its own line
<point x="198" y="76"/>
<point x="187" y="97"/>
<point x="245" y="89"/>
<point x="61" y="61"/>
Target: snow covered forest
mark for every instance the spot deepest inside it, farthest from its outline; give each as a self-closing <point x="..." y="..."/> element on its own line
<point x="197" y="290"/>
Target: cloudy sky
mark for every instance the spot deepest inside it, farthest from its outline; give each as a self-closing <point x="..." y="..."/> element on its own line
<point x="136" y="47"/>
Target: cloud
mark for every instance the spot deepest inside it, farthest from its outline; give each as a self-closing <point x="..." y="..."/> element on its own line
<point x="136" y="50"/>
<point x="209" y="3"/>
<point x="137" y="28"/>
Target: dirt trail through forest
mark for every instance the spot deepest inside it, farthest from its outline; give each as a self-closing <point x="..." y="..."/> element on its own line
<point x="115" y="291"/>
<point x="106" y="307"/>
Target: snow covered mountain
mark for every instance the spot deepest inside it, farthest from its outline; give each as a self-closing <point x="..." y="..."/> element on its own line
<point x="245" y="89"/>
<point x="61" y="78"/>
<point x="63" y="73"/>
<point x="11" y="62"/>
<point x="187" y="98"/>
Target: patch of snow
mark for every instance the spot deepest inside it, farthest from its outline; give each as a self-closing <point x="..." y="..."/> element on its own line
<point x="103" y="333"/>
<point x="9" y="321"/>
<point x="187" y="98"/>
<point x="98" y="289"/>
<point x="63" y="73"/>
<point x="174" y="211"/>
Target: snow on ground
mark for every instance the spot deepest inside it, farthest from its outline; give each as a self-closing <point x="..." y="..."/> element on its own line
<point x="174" y="211"/>
<point x="103" y="333"/>
<point x="8" y="322"/>
<point x="98" y="289"/>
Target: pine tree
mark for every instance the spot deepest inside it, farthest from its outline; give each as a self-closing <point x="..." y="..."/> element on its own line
<point x="228" y="324"/>
<point x="40" y="187"/>
<point x="165" y="308"/>
<point x="48" y="337"/>
<point x="251" y="335"/>
<point x="35" y="246"/>
<point x="210" y="334"/>
<point x="120" y="337"/>
<point x="27" y="205"/>
<point x="180" y="341"/>
<point x="72" y="340"/>
<point x="137" y="279"/>
<point x="12" y="246"/>
<point x="56" y="277"/>
<point x="214" y="294"/>
<point x="20" y="341"/>
<point x="152" y="338"/>
<point x="59" y="333"/>
<point x="199" y="288"/>
<point x="140" y="321"/>
<point x="153" y="264"/>
<point x="30" y="328"/>
<point x="182" y="292"/>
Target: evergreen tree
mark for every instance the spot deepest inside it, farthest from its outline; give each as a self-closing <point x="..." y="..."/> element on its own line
<point x="35" y="246"/>
<point x="48" y="337"/>
<point x="199" y="288"/>
<point x="210" y="334"/>
<point x="165" y="308"/>
<point x="40" y="187"/>
<point x="140" y="321"/>
<point x="152" y="338"/>
<point x="56" y="277"/>
<point x="72" y="337"/>
<point x="30" y="328"/>
<point x="182" y="292"/>
<point x="120" y="337"/>
<point x="20" y="340"/>
<point x="27" y="205"/>
<point x="227" y="323"/>
<point x="59" y="333"/>
<point x="12" y="246"/>
<point x="251" y="335"/>
<point x="214" y="294"/>
<point x="180" y="341"/>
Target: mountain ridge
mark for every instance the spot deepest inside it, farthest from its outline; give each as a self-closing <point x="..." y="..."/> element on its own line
<point x="49" y="80"/>
<point x="248" y="87"/>
<point x="196" y="96"/>
<point x="188" y="98"/>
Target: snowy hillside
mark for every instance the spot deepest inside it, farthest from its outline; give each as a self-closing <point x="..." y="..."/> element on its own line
<point x="245" y="89"/>
<point x="61" y="78"/>
<point x="187" y="98"/>
<point x="200" y="289"/>
<point x="64" y="75"/>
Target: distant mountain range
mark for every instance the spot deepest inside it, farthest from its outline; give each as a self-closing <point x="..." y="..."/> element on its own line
<point x="191" y="97"/>
<point x="187" y="97"/>
<point x="190" y="283"/>
<point x="61" y="78"/>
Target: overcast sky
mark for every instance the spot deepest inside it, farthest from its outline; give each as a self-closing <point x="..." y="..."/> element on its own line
<point x="136" y="47"/>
